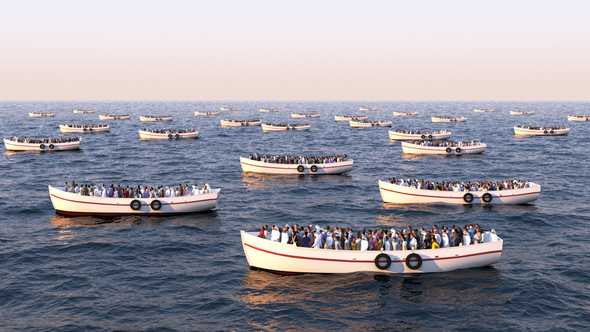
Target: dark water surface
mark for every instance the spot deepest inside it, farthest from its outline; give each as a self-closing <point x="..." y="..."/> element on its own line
<point x="190" y="273"/>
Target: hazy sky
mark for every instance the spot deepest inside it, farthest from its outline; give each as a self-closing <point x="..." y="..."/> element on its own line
<point x="294" y="49"/>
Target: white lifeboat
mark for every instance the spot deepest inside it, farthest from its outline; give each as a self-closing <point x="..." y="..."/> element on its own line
<point x="578" y="118"/>
<point x="85" y="129"/>
<point x="168" y="134"/>
<point x="305" y="115"/>
<point x="368" y="108"/>
<point x="541" y="131"/>
<point x="349" y="117"/>
<point x="483" y="110"/>
<point x="368" y="124"/>
<point x="428" y="147"/>
<point x="522" y="112"/>
<point x="406" y="135"/>
<point x="41" y="114"/>
<point x="448" y="119"/>
<point x="229" y="108"/>
<point x="197" y="113"/>
<point x="404" y="113"/>
<point x="249" y="165"/>
<point x="83" y="111"/>
<point x="285" y="126"/>
<point x="114" y="117"/>
<point x="152" y="118"/>
<point x="268" y="110"/>
<point x="13" y="145"/>
<point x="240" y="123"/>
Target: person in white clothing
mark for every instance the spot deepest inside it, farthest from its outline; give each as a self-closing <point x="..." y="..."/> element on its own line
<point x="276" y="235"/>
<point x="493" y="236"/>
<point x="364" y="244"/>
<point x="206" y="188"/>
<point x="445" y="240"/>
<point x="285" y="236"/>
<point x="104" y="192"/>
<point x="167" y="193"/>
<point x="466" y="239"/>
<point x="195" y="190"/>
<point x="330" y="241"/>
<point x="386" y="243"/>
<point x="317" y="244"/>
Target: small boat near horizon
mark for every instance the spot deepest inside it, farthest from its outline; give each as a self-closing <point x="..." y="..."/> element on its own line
<point x="167" y="134"/>
<point x="268" y="110"/>
<point x="541" y="131"/>
<point x="285" y="126"/>
<point x="249" y="165"/>
<point x="578" y="118"/>
<point x="43" y="145"/>
<point x="407" y="135"/>
<point x="154" y="118"/>
<point x="368" y="124"/>
<point x="75" y="205"/>
<point x="305" y="115"/>
<point x="85" y="129"/>
<point x="483" y="110"/>
<point x="393" y="193"/>
<point x="448" y="119"/>
<point x="197" y="113"/>
<point x="240" y="123"/>
<point x="229" y="108"/>
<point x="522" y="112"/>
<point x="405" y="113"/>
<point x="41" y="114"/>
<point x="350" y="117"/>
<point x="368" y="108"/>
<point x="287" y="259"/>
<point x="83" y="111"/>
<point x="114" y="117"/>
<point x="446" y="148"/>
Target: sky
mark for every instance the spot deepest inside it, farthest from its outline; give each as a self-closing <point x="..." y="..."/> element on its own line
<point x="306" y="50"/>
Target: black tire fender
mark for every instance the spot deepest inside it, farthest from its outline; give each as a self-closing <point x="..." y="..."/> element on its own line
<point x="545" y="132"/>
<point x="551" y="132"/>
<point x="449" y="150"/>
<point x="379" y="261"/>
<point x="458" y="150"/>
<point x="429" y="136"/>
<point x="85" y="129"/>
<point x="169" y="135"/>
<point x="177" y="136"/>
<point x="135" y="205"/>
<point x="313" y="168"/>
<point x="156" y="205"/>
<point x="423" y="136"/>
<point x="300" y="168"/>
<point x="468" y="197"/>
<point x="51" y="146"/>
<point x="487" y="197"/>
<point x="42" y="146"/>
<point x="416" y="257"/>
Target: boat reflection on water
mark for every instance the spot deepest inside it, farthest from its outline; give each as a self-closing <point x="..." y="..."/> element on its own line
<point x="60" y="152"/>
<point x="271" y="181"/>
<point x="413" y="157"/>
<point x="402" y="301"/>
<point x="208" y="219"/>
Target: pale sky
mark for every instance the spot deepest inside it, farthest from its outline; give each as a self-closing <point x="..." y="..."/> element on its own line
<point x="294" y="49"/>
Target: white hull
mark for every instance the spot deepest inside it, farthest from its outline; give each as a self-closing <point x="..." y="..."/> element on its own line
<point x="268" y="110"/>
<point x="240" y="124"/>
<point x="148" y="135"/>
<point x="419" y="149"/>
<point x="155" y="119"/>
<point x="40" y="115"/>
<point x="312" y="115"/>
<point x="477" y="110"/>
<point x="531" y="132"/>
<point x="70" y="204"/>
<point x="522" y="112"/>
<point x="367" y="108"/>
<point x="85" y="130"/>
<point x="255" y="166"/>
<point x="197" y="113"/>
<point x="83" y="111"/>
<point x="461" y="119"/>
<point x="408" y="137"/>
<point x="404" y="113"/>
<point x="354" y="124"/>
<point x="229" y="108"/>
<point x="114" y="117"/>
<point x="392" y="193"/>
<point x="15" y="146"/>
<point x="578" y="118"/>
<point x="289" y="259"/>
<point x="274" y="128"/>
<point x="344" y="118"/>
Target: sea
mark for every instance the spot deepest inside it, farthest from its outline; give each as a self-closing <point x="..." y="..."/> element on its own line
<point x="189" y="272"/>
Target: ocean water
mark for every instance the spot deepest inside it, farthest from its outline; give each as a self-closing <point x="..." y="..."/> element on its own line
<point x="189" y="272"/>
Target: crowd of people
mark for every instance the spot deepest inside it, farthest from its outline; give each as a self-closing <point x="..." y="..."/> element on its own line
<point x="131" y="192"/>
<point x="449" y="117"/>
<point x="156" y="116"/>
<point x="44" y="140"/>
<point x="378" y="239"/>
<point x="298" y="159"/>
<point x="115" y="116"/>
<point x="43" y="113"/>
<point x="351" y="116"/>
<point x="444" y="144"/>
<point x="373" y="122"/>
<point x="420" y="132"/>
<point x="460" y="186"/>
<point x="85" y="126"/>
<point x="287" y="125"/>
<point x="169" y="131"/>
<point x="208" y="112"/>
<point x="244" y="121"/>
<point x="307" y="115"/>
<point x="542" y="128"/>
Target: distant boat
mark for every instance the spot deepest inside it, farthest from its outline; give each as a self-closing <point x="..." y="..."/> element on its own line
<point x="349" y="117"/>
<point x="45" y="146"/>
<point x="483" y="110"/>
<point x="41" y="114"/>
<point x="406" y="135"/>
<point x="249" y="165"/>
<point x="285" y="126"/>
<point x="83" y="111"/>
<point x="84" y="128"/>
<point x="448" y="119"/>
<point x="578" y="118"/>
<point x="114" y="117"/>
<point x="305" y="115"/>
<point x="206" y="113"/>
<point x="240" y="123"/>
<point x="413" y="148"/>
<point x="541" y="131"/>
<point x="404" y="113"/>
<point x="368" y="124"/>
<point x="522" y="112"/>
<point x="169" y="134"/>
<point x="269" y="110"/>
<point x="229" y="108"/>
<point x="368" y="108"/>
<point x="152" y="118"/>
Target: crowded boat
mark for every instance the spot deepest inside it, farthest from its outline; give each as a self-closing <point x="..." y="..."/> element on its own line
<point x="152" y="118"/>
<point x="368" y="108"/>
<point x="448" y="119"/>
<point x="42" y="144"/>
<point x="240" y="123"/>
<point x="397" y="190"/>
<point x="41" y="114"/>
<point x="541" y="131"/>
<point x="305" y="115"/>
<point x="404" y="113"/>
<point x="267" y="110"/>
<point x="114" y="117"/>
<point x="83" y="111"/>
<point x="350" y="117"/>
<point x="483" y="110"/>
<point x="229" y="108"/>
<point x="354" y="123"/>
<point x="76" y="128"/>
<point x="522" y="112"/>
<point x="276" y="164"/>
<point x="148" y="133"/>
<point x="285" y="126"/>
<point x="404" y="135"/>
<point x="101" y="200"/>
<point x="578" y="118"/>
<point x="197" y="113"/>
<point x="312" y="249"/>
<point x="443" y="147"/>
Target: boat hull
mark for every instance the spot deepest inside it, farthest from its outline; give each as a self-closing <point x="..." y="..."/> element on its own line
<point x="70" y="204"/>
<point x="148" y="135"/>
<point x="15" y="146"/>
<point x="408" y="137"/>
<point x="578" y="118"/>
<point x="392" y="193"/>
<point x="273" y="128"/>
<point x="435" y="119"/>
<point x="114" y="117"/>
<point x="354" y="124"/>
<point x="296" y="115"/>
<point x="532" y="132"/>
<point x="289" y="259"/>
<point x="157" y="119"/>
<point x="240" y="124"/>
<point x="66" y="129"/>
<point x="249" y="165"/>
<point x="38" y="115"/>
<point x="83" y="111"/>
<point x="197" y="113"/>
<point x="404" y="113"/>
<point x="419" y="149"/>
<point x="522" y="112"/>
<point x="342" y="118"/>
